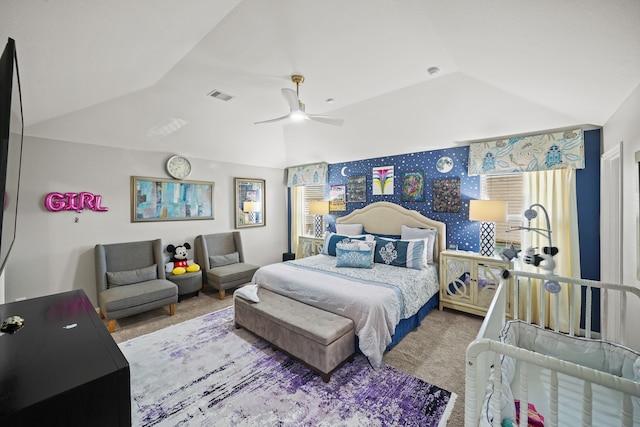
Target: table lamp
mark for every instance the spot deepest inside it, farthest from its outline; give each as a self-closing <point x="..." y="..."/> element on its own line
<point x="319" y="208"/>
<point x="489" y="212"/>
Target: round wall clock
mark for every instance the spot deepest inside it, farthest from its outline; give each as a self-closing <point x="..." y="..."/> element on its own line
<point x="178" y="167"/>
<point x="444" y="164"/>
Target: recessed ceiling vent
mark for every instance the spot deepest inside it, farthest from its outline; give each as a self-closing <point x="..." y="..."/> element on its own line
<point x="220" y="95"/>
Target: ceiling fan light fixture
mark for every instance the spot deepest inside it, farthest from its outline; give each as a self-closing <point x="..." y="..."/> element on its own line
<point x="298" y="116"/>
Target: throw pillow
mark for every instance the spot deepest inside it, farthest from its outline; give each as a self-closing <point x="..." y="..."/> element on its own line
<point x="222" y="260"/>
<point x="332" y="239"/>
<point x="129" y="277"/>
<point x="349" y="229"/>
<point x="349" y="255"/>
<point x="427" y="234"/>
<point x="400" y="253"/>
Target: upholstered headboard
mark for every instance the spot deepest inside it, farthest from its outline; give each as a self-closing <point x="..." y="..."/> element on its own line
<point x="388" y="218"/>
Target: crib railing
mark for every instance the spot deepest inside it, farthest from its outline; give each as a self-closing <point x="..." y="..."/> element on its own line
<point x="487" y="350"/>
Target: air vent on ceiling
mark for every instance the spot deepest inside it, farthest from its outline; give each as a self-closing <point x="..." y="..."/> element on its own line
<point x="219" y="95"/>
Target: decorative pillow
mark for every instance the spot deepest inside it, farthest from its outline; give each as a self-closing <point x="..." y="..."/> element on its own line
<point x="221" y="260"/>
<point x="129" y="277"/>
<point x="350" y="255"/>
<point x="331" y="239"/>
<point x="349" y="229"/>
<point x="401" y="253"/>
<point x="428" y="234"/>
<point x="386" y="236"/>
<point x="248" y="292"/>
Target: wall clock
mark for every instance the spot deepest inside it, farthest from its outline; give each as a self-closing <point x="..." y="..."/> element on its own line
<point x="178" y="167"/>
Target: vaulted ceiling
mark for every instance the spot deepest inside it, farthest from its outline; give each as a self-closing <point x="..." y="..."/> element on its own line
<point x="137" y="74"/>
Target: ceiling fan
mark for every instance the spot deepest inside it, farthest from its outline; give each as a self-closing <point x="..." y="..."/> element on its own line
<point x="297" y="112"/>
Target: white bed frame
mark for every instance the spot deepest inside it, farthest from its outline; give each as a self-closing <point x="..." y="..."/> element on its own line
<point x="487" y="350"/>
<point x="388" y="218"/>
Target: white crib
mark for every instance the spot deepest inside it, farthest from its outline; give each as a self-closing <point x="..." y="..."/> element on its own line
<point x="588" y="382"/>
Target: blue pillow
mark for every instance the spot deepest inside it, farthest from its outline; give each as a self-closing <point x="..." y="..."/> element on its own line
<point x="354" y="258"/>
<point x="400" y="253"/>
<point x="386" y="236"/>
<point x="332" y="239"/>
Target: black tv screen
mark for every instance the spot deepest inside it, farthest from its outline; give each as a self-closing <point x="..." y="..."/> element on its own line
<point x="11" y="131"/>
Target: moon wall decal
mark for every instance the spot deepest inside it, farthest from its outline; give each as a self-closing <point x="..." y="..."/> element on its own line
<point x="342" y="171"/>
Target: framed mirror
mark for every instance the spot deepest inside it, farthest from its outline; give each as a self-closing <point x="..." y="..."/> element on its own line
<point x="250" y="205"/>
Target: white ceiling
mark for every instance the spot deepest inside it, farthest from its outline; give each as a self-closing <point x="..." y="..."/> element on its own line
<point x="136" y="74"/>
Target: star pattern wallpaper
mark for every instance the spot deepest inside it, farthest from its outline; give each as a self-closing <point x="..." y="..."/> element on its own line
<point x="460" y="230"/>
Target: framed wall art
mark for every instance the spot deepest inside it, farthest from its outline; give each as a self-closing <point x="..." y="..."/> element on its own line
<point x="412" y="187"/>
<point x="157" y="199"/>
<point x="337" y="198"/>
<point x="250" y="202"/>
<point x="382" y="180"/>
<point x="357" y="189"/>
<point x="446" y="195"/>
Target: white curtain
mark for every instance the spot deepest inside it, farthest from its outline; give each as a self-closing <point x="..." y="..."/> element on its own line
<point x="556" y="191"/>
<point x="297" y="215"/>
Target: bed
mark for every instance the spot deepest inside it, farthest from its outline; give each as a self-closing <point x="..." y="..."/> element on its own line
<point x="563" y="378"/>
<point x="385" y="302"/>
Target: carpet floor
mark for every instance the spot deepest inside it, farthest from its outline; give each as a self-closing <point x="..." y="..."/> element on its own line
<point x="206" y="372"/>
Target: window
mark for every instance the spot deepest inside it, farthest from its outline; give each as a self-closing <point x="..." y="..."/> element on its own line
<point x="508" y="188"/>
<point x="311" y="193"/>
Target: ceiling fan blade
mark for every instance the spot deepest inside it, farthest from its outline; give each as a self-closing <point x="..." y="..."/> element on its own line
<point x="291" y="97"/>
<point x="326" y="119"/>
<point x="273" y="120"/>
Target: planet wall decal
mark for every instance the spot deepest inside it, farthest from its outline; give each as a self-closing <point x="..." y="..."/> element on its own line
<point x="444" y="164"/>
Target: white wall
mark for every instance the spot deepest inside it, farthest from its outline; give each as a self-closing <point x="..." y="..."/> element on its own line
<point x="624" y="127"/>
<point x="53" y="253"/>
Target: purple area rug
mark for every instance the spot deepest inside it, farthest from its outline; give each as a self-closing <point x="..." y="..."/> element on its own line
<point x="204" y="372"/>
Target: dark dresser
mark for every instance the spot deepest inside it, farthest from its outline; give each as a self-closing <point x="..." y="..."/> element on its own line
<point x="62" y="367"/>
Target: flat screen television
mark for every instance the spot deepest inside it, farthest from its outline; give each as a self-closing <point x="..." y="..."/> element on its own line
<point x="11" y="131"/>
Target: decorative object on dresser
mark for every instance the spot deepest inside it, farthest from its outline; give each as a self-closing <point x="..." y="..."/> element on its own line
<point x="489" y="212"/>
<point x="130" y="279"/>
<point x="221" y="257"/>
<point x="250" y="199"/>
<point x="468" y="281"/>
<point x="319" y="208"/>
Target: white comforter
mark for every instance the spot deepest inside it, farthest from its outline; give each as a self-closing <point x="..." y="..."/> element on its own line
<point x="375" y="299"/>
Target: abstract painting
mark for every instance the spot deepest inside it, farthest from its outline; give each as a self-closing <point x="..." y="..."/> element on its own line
<point x="446" y="195"/>
<point x="412" y="186"/>
<point x="382" y="180"/>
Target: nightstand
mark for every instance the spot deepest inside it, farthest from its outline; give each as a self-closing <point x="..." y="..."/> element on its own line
<point x="468" y="281"/>
<point x="308" y="246"/>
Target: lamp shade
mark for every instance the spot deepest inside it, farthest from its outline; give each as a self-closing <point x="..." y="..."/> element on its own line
<point x="318" y="207"/>
<point x="488" y="210"/>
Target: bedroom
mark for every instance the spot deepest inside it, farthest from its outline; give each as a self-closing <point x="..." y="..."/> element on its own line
<point x="81" y="126"/>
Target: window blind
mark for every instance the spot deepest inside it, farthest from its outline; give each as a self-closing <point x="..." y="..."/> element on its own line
<point x="508" y="188"/>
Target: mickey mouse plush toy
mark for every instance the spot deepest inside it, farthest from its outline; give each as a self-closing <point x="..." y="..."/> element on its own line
<point x="179" y="263"/>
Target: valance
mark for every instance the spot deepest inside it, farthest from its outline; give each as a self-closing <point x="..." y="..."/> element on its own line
<point x="558" y="150"/>
<point x="311" y="174"/>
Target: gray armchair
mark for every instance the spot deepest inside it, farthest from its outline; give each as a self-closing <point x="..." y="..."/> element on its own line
<point x="221" y="259"/>
<point x="130" y="279"/>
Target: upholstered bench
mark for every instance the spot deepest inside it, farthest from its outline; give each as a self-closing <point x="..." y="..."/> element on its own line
<point x="320" y="339"/>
